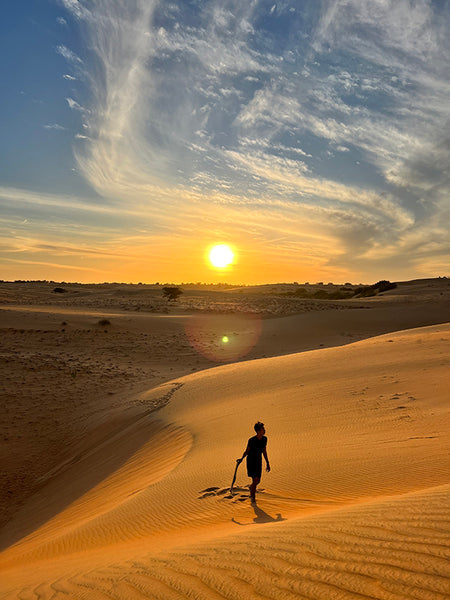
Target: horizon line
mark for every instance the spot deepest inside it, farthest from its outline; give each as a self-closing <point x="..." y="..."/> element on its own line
<point x="204" y="283"/>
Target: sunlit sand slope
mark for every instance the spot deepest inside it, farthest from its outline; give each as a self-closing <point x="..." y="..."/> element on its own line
<point x="395" y="549"/>
<point x="356" y="505"/>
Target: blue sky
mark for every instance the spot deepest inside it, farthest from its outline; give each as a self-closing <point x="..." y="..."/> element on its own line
<point x="311" y="136"/>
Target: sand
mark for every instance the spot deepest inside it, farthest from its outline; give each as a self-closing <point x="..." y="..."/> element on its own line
<point x="126" y="465"/>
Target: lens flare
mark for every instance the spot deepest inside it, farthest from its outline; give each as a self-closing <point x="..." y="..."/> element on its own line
<point x="223" y="338"/>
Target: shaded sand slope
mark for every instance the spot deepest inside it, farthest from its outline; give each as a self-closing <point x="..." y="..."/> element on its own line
<point x="356" y="504"/>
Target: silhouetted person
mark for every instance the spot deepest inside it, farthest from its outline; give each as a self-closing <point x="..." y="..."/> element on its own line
<point x="256" y="448"/>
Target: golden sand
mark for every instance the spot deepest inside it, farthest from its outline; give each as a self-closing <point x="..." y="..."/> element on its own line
<point x="356" y="504"/>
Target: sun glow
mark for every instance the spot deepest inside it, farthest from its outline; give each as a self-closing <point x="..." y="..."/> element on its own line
<point x="220" y="256"/>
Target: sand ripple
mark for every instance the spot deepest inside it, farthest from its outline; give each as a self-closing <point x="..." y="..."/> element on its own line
<point x="395" y="549"/>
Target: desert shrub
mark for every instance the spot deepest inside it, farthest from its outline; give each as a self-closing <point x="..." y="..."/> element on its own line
<point x="323" y="295"/>
<point x="340" y="295"/>
<point x="59" y="290"/>
<point x="320" y="295"/>
<point x="384" y="286"/>
<point x="301" y="292"/>
<point x="372" y="290"/>
<point x="368" y="292"/>
<point x="172" y="293"/>
<point x="361" y="290"/>
<point x="104" y="322"/>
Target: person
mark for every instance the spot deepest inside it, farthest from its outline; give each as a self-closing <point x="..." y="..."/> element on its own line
<point x="256" y="449"/>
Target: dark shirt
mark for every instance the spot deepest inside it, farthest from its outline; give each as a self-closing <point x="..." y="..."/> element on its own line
<point x="256" y="447"/>
<point x="254" y="456"/>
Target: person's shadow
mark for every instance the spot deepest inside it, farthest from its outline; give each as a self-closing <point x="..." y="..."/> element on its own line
<point x="261" y="517"/>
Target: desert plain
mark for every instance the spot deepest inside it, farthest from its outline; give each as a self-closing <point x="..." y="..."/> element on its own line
<point x="123" y="415"/>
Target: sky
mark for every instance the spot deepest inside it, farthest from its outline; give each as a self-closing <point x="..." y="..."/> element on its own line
<point x="311" y="136"/>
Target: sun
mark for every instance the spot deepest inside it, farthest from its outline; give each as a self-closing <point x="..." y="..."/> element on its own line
<point x="220" y="256"/>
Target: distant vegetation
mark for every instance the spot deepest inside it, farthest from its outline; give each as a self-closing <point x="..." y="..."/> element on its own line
<point x="321" y="294"/>
<point x="373" y="290"/>
<point x="344" y="292"/>
<point x="172" y="293"/>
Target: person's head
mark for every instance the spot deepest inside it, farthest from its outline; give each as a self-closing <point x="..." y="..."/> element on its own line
<point x="259" y="426"/>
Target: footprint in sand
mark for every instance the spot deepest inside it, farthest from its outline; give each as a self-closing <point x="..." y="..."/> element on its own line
<point x="239" y="494"/>
<point x="213" y="491"/>
<point x="210" y="491"/>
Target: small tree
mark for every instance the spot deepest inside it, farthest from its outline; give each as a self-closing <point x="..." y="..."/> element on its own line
<point x="172" y="293"/>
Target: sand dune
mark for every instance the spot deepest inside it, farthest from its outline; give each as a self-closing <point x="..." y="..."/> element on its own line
<point x="395" y="548"/>
<point x="66" y="377"/>
<point x="356" y="504"/>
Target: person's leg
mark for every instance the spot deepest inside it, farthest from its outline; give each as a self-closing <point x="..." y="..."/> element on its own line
<point x="255" y="481"/>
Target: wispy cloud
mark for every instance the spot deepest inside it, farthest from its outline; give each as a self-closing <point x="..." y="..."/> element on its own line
<point x="75" y="8"/>
<point x="68" y="54"/>
<point x="324" y="122"/>
<point x="17" y="196"/>
<point x="55" y="126"/>
<point x="66" y="267"/>
<point x="73" y="104"/>
<point x="403" y="52"/>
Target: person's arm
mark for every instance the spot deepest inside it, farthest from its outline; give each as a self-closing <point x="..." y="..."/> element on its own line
<point x="247" y="450"/>
<point x="267" y="460"/>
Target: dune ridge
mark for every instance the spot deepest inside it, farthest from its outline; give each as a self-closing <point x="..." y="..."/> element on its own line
<point x="356" y="504"/>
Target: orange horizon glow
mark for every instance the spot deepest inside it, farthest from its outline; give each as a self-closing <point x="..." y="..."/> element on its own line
<point x="179" y="259"/>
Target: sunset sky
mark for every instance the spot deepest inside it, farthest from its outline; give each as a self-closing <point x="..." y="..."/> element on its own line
<point x="312" y="136"/>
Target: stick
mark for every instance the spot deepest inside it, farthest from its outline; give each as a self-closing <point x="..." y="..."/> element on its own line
<point x="238" y="462"/>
